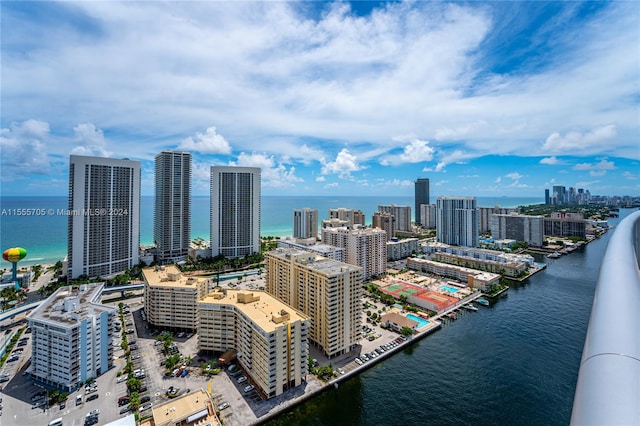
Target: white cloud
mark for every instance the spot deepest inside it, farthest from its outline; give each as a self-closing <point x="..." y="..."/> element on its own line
<point x="514" y="175"/>
<point x="630" y="176"/>
<point x="344" y="164"/>
<point x="574" y="140"/>
<point x="210" y="142"/>
<point x="550" y="160"/>
<point x="273" y="174"/>
<point x="595" y="173"/>
<point x="331" y="185"/>
<point x="604" y="164"/>
<point x="416" y="151"/>
<point x="441" y="182"/>
<point x="23" y="147"/>
<point x="498" y="179"/>
<point x="320" y="179"/>
<point x="90" y="141"/>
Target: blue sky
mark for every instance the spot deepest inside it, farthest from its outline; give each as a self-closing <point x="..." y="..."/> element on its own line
<point x="484" y="98"/>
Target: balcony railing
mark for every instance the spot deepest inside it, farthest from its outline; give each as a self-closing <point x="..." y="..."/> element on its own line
<point x="608" y="388"/>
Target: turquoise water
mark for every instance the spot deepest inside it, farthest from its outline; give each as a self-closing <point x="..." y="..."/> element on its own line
<point x="449" y="289"/>
<point x="45" y="236"/>
<point x="421" y="321"/>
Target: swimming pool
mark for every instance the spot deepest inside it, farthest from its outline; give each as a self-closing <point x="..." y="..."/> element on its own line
<point x="421" y="321"/>
<point x="449" y="289"/>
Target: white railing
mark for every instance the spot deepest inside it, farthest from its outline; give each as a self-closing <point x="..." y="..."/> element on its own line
<point x="608" y="388"/>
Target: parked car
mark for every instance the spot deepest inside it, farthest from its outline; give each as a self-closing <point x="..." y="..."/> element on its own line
<point x="92" y="397"/>
<point x="248" y="388"/>
<point x="145" y="399"/>
<point x="125" y="410"/>
<point x="146" y="406"/>
<point x="223" y="406"/>
<point x="242" y="379"/>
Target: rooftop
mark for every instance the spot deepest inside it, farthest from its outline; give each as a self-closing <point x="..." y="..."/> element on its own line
<point x="315" y="262"/>
<point x="169" y="276"/>
<point x="67" y="306"/>
<point x="264" y="310"/>
<point x="191" y="409"/>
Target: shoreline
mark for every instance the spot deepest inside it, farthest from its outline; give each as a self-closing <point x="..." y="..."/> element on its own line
<point x="289" y="404"/>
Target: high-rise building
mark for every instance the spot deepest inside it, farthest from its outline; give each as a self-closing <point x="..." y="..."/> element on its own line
<point x="104" y="216"/>
<point x="170" y="298"/>
<point x="428" y="215"/>
<point x="402" y="215"/>
<point x="172" y="214"/>
<point x="457" y="221"/>
<point x="235" y="211"/>
<point x="386" y="222"/>
<point x="328" y="291"/>
<point x="559" y="194"/>
<point x="71" y="337"/>
<point x="353" y="217"/>
<point x="365" y="247"/>
<point x="421" y="197"/>
<point x="485" y="214"/>
<point x="529" y="229"/>
<point x="305" y="223"/>
<point x="547" y="198"/>
<point x="270" y="337"/>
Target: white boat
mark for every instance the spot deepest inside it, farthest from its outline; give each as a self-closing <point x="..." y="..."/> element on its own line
<point x="470" y="307"/>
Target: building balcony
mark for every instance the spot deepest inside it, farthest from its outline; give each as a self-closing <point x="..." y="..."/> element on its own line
<point x="608" y="388"/>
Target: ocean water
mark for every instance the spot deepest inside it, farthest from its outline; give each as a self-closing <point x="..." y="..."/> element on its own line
<point x="513" y="363"/>
<point x="44" y="235"/>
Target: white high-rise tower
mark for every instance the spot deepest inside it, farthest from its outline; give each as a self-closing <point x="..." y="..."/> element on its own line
<point x="104" y="216"/>
<point x="457" y="221"/>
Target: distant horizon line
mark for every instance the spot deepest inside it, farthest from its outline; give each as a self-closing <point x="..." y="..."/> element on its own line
<point x="337" y="195"/>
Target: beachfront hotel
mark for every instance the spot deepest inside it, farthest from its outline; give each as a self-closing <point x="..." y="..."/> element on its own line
<point x="170" y="298"/>
<point x="365" y="247"/>
<point x="328" y="291"/>
<point x="103" y="216"/>
<point x="457" y="221"/>
<point x="172" y="208"/>
<point x="351" y="216"/>
<point x="71" y="337"/>
<point x="385" y="221"/>
<point x="271" y="338"/>
<point x="235" y="211"/>
<point x="421" y="198"/>
<point x="305" y="223"/>
<point x="401" y="214"/>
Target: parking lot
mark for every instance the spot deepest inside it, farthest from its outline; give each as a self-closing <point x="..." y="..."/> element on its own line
<point x="227" y="388"/>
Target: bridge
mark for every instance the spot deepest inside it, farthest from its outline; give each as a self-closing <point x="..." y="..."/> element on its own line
<point x="608" y="388"/>
<point x="25" y="308"/>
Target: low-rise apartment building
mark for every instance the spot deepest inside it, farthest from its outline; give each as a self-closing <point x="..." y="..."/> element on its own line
<point x="401" y="249"/>
<point x="71" y="337"/>
<point x="271" y="338"/>
<point x="170" y="298"/>
<point x="473" y="277"/>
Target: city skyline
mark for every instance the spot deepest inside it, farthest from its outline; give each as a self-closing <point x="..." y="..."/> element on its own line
<point x="485" y="99"/>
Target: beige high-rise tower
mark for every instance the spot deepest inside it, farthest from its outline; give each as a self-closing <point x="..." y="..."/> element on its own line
<point x="327" y="290"/>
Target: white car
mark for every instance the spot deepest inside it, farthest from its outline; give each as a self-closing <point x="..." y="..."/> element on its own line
<point x="248" y="388"/>
<point x="223" y="406"/>
<point x="242" y="379"/>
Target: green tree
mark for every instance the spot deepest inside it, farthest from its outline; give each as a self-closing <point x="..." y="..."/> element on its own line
<point x="134" y="401"/>
<point x="406" y="331"/>
<point x="133" y="384"/>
